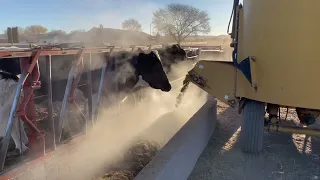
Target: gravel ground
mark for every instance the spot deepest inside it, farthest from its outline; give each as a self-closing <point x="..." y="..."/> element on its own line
<point x="284" y="157"/>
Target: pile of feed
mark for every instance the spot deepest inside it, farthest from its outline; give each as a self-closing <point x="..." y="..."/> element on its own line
<point x="73" y="115"/>
<point x="135" y="159"/>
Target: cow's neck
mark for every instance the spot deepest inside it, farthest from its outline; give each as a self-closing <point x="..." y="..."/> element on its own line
<point x="6" y="75"/>
<point x="141" y="82"/>
<point x="126" y="77"/>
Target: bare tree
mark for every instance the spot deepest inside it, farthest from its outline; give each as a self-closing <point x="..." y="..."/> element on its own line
<point x="131" y="24"/>
<point x="35" y="30"/>
<point x="58" y="32"/>
<point x="33" y="33"/>
<point x="180" y="21"/>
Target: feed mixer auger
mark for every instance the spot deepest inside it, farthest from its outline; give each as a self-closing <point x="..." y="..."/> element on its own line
<point x="275" y="63"/>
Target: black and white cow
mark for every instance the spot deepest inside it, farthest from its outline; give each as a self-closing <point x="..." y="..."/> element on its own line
<point x="124" y="71"/>
<point x="131" y="67"/>
<point x="128" y="66"/>
<point x="171" y="55"/>
<point x="9" y="71"/>
<point x="62" y="64"/>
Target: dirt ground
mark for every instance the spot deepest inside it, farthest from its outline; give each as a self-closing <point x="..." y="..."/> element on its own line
<point x="284" y="157"/>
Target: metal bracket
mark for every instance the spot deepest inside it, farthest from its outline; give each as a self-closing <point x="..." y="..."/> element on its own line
<point x="249" y="69"/>
<point x="31" y="82"/>
<point x="253" y="69"/>
<point x="197" y="79"/>
<point x="242" y="103"/>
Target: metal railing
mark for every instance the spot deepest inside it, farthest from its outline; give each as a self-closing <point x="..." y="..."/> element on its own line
<point x="32" y="55"/>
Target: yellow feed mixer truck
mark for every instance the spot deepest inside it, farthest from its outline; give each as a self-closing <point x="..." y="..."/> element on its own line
<point x="275" y="64"/>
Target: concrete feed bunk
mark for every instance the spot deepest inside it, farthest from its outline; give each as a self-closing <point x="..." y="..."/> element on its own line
<point x="176" y="159"/>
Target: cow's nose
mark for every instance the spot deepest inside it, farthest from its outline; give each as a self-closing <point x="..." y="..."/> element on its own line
<point x="166" y="88"/>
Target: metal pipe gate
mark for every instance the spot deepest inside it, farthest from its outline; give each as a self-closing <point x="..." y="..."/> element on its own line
<point x="29" y="80"/>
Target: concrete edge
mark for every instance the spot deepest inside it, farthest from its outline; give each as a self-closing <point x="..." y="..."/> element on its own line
<point x="177" y="158"/>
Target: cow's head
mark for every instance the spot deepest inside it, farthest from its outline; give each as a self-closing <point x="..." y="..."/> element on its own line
<point x="11" y="66"/>
<point x="177" y="52"/>
<point x="149" y="67"/>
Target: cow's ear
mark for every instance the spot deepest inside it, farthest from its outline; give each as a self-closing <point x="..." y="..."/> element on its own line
<point x="175" y="48"/>
<point x="141" y="54"/>
<point x="140" y="50"/>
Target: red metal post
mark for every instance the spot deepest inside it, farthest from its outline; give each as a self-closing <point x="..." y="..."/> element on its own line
<point x="27" y="110"/>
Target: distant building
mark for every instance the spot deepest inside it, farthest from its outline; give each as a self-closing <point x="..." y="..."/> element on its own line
<point x="118" y="37"/>
<point x="3" y="38"/>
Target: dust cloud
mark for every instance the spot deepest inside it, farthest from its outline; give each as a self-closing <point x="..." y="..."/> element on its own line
<point x="155" y="119"/>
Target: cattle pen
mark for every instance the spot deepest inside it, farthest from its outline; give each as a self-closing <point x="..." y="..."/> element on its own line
<point x="271" y="84"/>
<point x="29" y="61"/>
<point x="25" y="107"/>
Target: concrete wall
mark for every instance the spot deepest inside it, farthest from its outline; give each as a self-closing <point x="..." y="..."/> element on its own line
<point x="178" y="157"/>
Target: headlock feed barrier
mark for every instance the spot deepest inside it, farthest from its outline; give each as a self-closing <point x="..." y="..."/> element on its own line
<point x="30" y="80"/>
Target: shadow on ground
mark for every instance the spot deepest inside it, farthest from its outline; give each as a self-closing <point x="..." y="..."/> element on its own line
<point x="284" y="157"/>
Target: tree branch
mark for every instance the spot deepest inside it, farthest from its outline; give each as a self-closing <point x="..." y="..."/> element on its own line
<point x="179" y="21"/>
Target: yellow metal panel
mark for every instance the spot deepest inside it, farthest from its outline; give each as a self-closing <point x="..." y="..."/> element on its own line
<point x="282" y="36"/>
<point x="219" y="79"/>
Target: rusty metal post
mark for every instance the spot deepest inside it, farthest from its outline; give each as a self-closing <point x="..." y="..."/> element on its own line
<point x="27" y="109"/>
<point x="28" y="80"/>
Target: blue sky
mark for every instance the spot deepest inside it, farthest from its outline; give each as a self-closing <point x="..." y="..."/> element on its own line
<point x="84" y="14"/>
